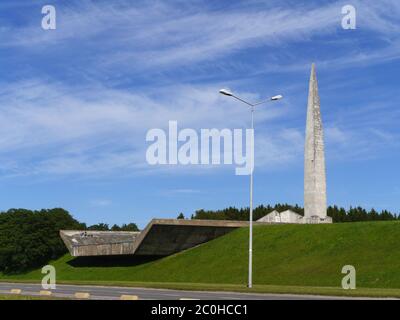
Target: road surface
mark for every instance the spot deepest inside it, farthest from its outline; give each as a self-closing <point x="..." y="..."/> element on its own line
<point x="115" y="293"/>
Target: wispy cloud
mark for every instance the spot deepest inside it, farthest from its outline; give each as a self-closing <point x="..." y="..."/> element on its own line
<point x="67" y="132"/>
<point x="65" y="124"/>
<point x="157" y="34"/>
<point x="100" y="203"/>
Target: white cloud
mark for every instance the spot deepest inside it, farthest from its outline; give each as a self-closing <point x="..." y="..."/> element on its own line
<point x="160" y="34"/>
<point x="100" y="203"/>
<point x="97" y="130"/>
<point x="336" y="135"/>
<point x="54" y="128"/>
<point x="51" y="129"/>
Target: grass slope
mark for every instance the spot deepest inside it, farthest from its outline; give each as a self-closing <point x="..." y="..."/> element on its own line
<point x="284" y="255"/>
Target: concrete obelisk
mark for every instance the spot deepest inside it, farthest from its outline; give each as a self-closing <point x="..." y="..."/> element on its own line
<point x="314" y="157"/>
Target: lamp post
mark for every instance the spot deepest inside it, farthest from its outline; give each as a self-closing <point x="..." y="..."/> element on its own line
<point x="252" y="105"/>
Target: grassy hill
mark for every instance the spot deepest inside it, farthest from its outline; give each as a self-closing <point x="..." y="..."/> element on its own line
<point x="284" y="255"/>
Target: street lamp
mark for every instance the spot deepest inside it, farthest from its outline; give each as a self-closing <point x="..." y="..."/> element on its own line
<point x="228" y="93"/>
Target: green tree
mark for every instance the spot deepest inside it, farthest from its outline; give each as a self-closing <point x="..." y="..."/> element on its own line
<point x="115" y="228"/>
<point x="129" y="227"/>
<point x="99" y="227"/>
<point x="29" y="239"/>
<point x="181" y="216"/>
<point x="337" y="214"/>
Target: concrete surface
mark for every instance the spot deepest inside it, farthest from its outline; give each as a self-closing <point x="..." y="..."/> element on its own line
<point x="98" y="243"/>
<point x="315" y="203"/>
<point x="287" y="216"/>
<point x="161" y="237"/>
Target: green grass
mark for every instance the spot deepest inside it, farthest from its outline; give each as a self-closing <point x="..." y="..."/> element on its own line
<point x="287" y="259"/>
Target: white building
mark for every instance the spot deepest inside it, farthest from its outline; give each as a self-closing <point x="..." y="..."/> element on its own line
<point x="289" y="216"/>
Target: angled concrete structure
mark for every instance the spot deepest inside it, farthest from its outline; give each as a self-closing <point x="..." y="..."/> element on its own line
<point x="273" y="216"/>
<point x="287" y="216"/>
<point x="314" y="159"/>
<point x="98" y="243"/>
<point x="161" y="237"/>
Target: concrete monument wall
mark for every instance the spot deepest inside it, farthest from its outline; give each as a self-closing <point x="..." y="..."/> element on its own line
<point x="315" y="204"/>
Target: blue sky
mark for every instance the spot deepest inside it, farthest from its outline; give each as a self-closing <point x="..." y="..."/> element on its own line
<point x="76" y="102"/>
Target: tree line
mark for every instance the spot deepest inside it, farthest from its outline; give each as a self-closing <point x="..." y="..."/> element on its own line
<point x="115" y="227"/>
<point x="30" y="239"/>
<point x="338" y="214"/>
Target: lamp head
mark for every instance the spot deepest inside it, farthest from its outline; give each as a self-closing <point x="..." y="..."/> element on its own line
<point x="226" y="92"/>
<point x="278" y="97"/>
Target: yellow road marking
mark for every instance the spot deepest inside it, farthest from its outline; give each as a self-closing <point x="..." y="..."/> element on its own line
<point x="16" y="291"/>
<point x="82" y="295"/>
<point x="128" y="297"/>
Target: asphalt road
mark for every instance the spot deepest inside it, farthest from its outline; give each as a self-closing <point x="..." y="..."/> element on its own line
<point x="115" y="293"/>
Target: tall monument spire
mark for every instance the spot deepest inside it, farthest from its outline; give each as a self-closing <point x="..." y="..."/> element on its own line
<point x="314" y="157"/>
